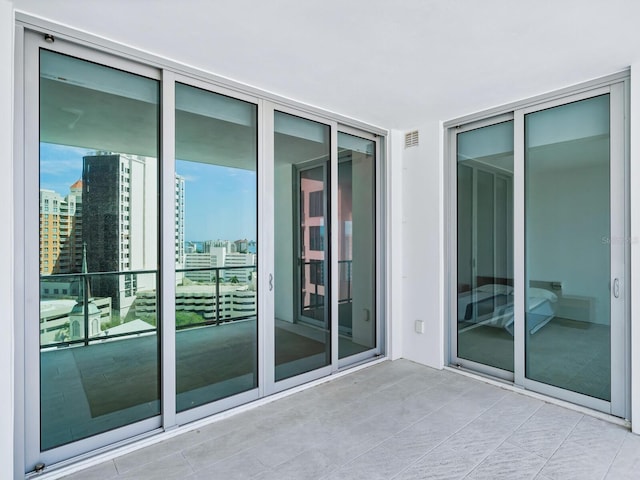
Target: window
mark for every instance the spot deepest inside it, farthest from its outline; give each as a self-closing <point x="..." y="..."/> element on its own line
<point x="316" y="300"/>
<point x="316" y="204"/>
<point x="316" y="238"/>
<point x="316" y="272"/>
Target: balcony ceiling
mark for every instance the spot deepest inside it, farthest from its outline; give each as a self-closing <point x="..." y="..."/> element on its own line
<point x="393" y="64"/>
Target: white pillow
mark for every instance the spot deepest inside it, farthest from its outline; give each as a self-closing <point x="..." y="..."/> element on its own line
<point x="542" y="293"/>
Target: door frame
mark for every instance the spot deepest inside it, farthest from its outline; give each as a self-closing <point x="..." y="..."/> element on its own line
<point x="380" y="221"/>
<point x="267" y="228"/>
<point x="618" y="87"/>
<point x="453" y="260"/>
<point x="170" y="416"/>
<point x="298" y="168"/>
<point x="33" y="42"/>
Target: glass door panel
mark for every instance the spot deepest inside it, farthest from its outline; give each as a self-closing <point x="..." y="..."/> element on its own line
<point x="216" y="246"/>
<point x="356" y="245"/>
<point x="568" y="248"/>
<point x="98" y="223"/>
<point x="485" y="319"/>
<point x="302" y="303"/>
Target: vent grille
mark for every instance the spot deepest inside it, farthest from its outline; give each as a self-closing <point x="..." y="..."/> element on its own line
<point x="411" y="139"/>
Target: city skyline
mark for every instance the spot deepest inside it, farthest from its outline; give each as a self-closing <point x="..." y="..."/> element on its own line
<point x="205" y="185"/>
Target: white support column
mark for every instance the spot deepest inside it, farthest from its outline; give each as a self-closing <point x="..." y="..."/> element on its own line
<point x="634" y="170"/>
<point x="167" y="297"/>
<point x="395" y="169"/>
<point x="7" y="347"/>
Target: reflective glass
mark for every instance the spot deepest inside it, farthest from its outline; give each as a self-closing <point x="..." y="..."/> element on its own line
<point x="568" y="243"/>
<point x="98" y="222"/>
<point x="356" y="245"/>
<point x="302" y="303"/>
<point x="485" y="245"/>
<point x="216" y="246"/>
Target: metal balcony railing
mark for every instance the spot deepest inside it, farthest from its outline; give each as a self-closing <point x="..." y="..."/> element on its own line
<point x="79" y="288"/>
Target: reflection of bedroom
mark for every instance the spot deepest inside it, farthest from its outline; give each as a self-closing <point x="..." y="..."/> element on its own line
<point x="485" y="246"/>
<point x="567" y="257"/>
<point x="567" y="230"/>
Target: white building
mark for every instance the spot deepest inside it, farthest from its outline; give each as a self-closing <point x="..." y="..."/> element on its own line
<point x="232" y="303"/>
<point x="242" y="275"/>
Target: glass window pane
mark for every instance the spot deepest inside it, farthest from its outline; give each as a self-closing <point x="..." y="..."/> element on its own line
<point x="567" y="247"/>
<point x="302" y="304"/>
<point x="98" y="248"/>
<point x="485" y="245"/>
<point x="216" y="246"/>
<point x="356" y="245"/>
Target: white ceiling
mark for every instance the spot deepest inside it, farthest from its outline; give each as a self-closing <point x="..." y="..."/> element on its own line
<point x="396" y="64"/>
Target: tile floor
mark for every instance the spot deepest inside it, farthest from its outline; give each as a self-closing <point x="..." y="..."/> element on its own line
<point x="394" y="420"/>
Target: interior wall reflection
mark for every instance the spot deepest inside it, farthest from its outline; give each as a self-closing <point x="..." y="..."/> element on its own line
<point x="302" y="303"/>
<point x="568" y="252"/>
<point x="356" y="245"/>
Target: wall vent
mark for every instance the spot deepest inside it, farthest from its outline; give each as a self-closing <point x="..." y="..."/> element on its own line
<point x="411" y="139"/>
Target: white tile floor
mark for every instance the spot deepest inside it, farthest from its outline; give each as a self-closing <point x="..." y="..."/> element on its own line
<point x="394" y="420"/>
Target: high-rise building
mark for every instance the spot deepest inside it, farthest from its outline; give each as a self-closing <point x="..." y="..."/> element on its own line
<point x="75" y="237"/>
<point x="241" y="245"/>
<point x="120" y="224"/>
<point x="61" y="231"/>
<point x="213" y="257"/>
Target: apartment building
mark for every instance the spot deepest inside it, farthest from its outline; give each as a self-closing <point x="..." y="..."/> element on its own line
<point x="61" y="230"/>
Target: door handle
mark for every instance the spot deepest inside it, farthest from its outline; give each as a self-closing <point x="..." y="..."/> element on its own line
<point x="270" y="282"/>
<point x="616" y="288"/>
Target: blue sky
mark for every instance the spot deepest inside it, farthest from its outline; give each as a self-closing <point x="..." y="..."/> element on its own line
<point x="220" y="201"/>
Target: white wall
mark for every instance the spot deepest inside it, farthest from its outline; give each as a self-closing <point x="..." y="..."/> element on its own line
<point x="6" y="240"/>
<point x="422" y="286"/>
<point x="283" y="262"/>
<point x="363" y="318"/>
<point x="395" y="239"/>
<point x="634" y="289"/>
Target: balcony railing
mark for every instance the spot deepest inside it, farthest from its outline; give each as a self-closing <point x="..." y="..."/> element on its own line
<point x="96" y="297"/>
<point x="312" y="282"/>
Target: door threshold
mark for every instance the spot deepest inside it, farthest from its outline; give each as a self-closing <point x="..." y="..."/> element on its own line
<point x="539" y="396"/>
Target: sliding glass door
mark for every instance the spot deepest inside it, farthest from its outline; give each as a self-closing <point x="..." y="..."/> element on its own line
<point x="357" y="312"/>
<point x="302" y="312"/>
<point x="485" y="323"/>
<point x="568" y="248"/>
<point x="192" y="247"/>
<point x="540" y="290"/>
<point x="92" y="222"/>
<point x="216" y="289"/>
